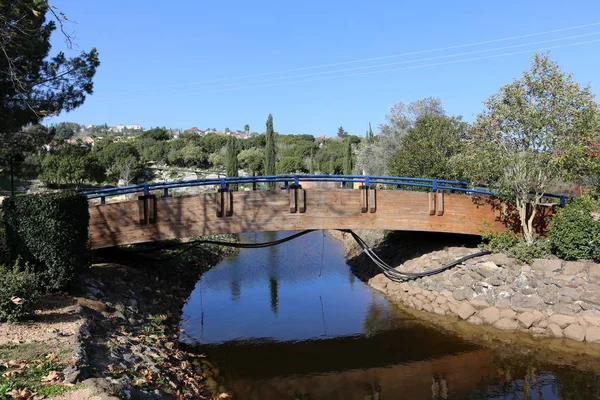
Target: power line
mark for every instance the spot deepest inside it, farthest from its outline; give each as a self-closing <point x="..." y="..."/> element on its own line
<point x="367" y="59"/>
<point x="381" y="65"/>
<point x="368" y="72"/>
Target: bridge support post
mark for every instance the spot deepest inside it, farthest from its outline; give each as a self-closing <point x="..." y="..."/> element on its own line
<point x="147" y="213"/>
<point x="224" y="203"/>
<point x="364" y="198"/>
<point x="431" y="198"/>
<point x="297" y="198"/>
<point x="440" y="203"/>
<point x="372" y="199"/>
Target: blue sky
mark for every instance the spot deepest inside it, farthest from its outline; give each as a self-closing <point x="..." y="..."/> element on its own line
<point x="218" y="63"/>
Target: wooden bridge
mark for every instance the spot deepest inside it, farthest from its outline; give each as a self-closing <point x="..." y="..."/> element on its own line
<point x="296" y="203"/>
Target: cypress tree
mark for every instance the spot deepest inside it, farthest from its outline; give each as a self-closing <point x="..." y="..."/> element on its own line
<point x="370" y="135"/>
<point x="270" y="150"/>
<point x="348" y="158"/>
<point x="232" y="160"/>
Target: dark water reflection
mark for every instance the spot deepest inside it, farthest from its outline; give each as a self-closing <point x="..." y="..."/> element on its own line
<point x="292" y="322"/>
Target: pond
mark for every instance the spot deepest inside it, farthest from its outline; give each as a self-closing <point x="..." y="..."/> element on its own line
<point x="293" y="322"/>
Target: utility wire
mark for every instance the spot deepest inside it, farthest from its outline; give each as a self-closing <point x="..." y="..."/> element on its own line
<point x="366" y="73"/>
<point x="369" y="59"/>
<point x="229" y="85"/>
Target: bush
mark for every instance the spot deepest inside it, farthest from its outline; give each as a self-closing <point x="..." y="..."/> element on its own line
<point x="50" y="234"/>
<point x="574" y="233"/>
<point x="18" y="294"/>
<point x="514" y="245"/>
<point x="496" y="242"/>
<point x="525" y="253"/>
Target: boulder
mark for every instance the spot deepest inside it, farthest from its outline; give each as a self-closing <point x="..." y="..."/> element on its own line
<point x="554" y="330"/>
<point x="575" y="332"/>
<point x="520" y="302"/>
<point x="465" y="310"/>
<point x="561" y="320"/>
<point x="506" y="324"/>
<point x="508" y="313"/>
<point x="527" y="319"/>
<point x="592" y="317"/>
<point x="547" y="268"/>
<point x="479" y="302"/>
<point x="592" y="334"/>
<point x="489" y="315"/>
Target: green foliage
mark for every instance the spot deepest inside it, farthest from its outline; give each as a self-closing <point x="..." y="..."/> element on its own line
<point x="232" y="159"/>
<point x="158" y="134"/>
<point x="514" y="245"/>
<point x="290" y="165"/>
<point x="347" y="157"/>
<point x="270" y="155"/>
<point x="71" y="165"/>
<point x="65" y="130"/>
<point x="252" y="160"/>
<point x="574" y="233"/>
<point x="531" y="135"/>
<point x="33" y="83"/>
<point x="330" y="158"/>
<point x="50" y="234"/>
<point x="341" y="133"/>
<point x="18" y="293"/>
<point x="428" y="147"/>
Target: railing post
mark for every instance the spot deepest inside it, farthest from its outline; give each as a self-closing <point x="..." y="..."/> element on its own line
<point x="224" y="185"/>
<point x="563" y="200"/>
<point x="146" y="190"/>
<point x="398" y="187"/>
<point x="434" y="187"/>
<point x="296" y="180"/>
<point x="166" y="192"/>
<point x="103" y="200"/>
<point x="287" y="186"/>
<point x="343" y="184"/>
<point x="367" y="181"/>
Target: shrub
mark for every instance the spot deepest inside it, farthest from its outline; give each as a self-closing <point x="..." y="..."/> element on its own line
<point x="496" y="242"/>
<point x="514" y="245"/>
<point x="574" y="233"/>
<point x="18" y="294"/>
<point x="50" y="234"/>
<point x="525" y="253"/>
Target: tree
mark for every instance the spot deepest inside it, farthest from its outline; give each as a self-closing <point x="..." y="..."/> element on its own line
<point x="347" y="157"/>
<point x="530" y="134"/>
<point x="232" y="160"/>
<point x="342" y="133"/>
<point x="33" y="84"/>
<point x="65" y="130"/>
<point x="157" y="134"/>
<point x="252" y="160"/>
<point x="373" y="157"/>
<point x="428" y="148"/>
<point x="270" y="156"/>
<point x="370" y="136"/>
<point x="247" y="129"/>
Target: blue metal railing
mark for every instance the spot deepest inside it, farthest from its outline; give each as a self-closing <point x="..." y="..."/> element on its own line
<point x="223" y="183"/>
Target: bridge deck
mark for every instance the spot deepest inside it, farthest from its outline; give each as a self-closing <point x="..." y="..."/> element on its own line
<point x="139" y="221"/>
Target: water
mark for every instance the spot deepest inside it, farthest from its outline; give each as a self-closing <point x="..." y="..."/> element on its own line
<point x="292" y="322"/>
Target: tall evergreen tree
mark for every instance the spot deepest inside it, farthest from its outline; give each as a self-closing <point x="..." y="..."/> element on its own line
<point x="370" y="136"/>
<point x="348" y="158"/>
<point x="232" y="159"/>
<point x="270" y="149"/>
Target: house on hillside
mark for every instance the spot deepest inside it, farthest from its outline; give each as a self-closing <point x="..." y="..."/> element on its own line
<point x="195" y="131"/>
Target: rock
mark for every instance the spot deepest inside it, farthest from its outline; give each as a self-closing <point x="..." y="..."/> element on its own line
<point x="527" y="290"/>
<point x="463" y="294"/>
<point x="405" y="287"/>
<point x="561" y="320"/>
<point x="543" y="323"/>
<point x="427" y="307"/>
<point x="547" y="268"/>
<point x="495" y="281"/>
<point x="538" y="331"/>
<point x="594" y="273"/>
<point x="520" y="302"/>
<point x="554" y="330"/>
<point x="570" y="292"/>
<point x="380" y="282"/>
<point x="479" y="302"/>
<point x="487" y="269"/>
<point x="503" y="302"/>
<point x="506" y="323"/>
<point x="567" y="309"/>
<point x="466" y="280"/>
<point x="465" y="310"/>
<point x="527" y="319"/>
<point x="489" y="315"/>
<point x="574" y="267"/>
<point x="118" y="314"/>
<point x="575" y="332"/>
<point x="439" y="311"/>
<point x="418" y="304"/>
<point x="508" y="313"/>
<point x="591" y="297"/>
<point x="441" y="299"/>
<point x="592" y="334"/>
<point x="475" y="320"/>
<point x="501" y="259"/>
<point x="592" y="317"/>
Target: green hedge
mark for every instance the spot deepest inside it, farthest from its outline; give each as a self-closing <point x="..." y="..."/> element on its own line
<point x="574" y="233"/>
<point x="49" y="233"/>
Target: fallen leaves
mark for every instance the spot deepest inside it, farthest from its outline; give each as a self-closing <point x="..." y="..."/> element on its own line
<point x="21" y="394"/>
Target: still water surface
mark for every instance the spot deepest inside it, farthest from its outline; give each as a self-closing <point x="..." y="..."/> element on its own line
<point x="292" y="322"/>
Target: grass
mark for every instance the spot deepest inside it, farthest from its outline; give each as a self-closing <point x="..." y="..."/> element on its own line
<point x="26" y="366"/>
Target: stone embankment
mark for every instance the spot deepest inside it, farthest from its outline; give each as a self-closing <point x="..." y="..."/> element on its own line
<point x="550" y="297"/>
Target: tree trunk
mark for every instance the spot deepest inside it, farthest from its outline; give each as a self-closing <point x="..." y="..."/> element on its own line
<point x="526" y="227"/>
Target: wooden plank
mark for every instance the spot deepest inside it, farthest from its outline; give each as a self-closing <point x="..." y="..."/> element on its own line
<point x="194" y="215"/>
<point x="440" y="204"/>
<point x="372" y="200"/>
<point x="292" y="194"/>
<point x="431" y="202"/>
